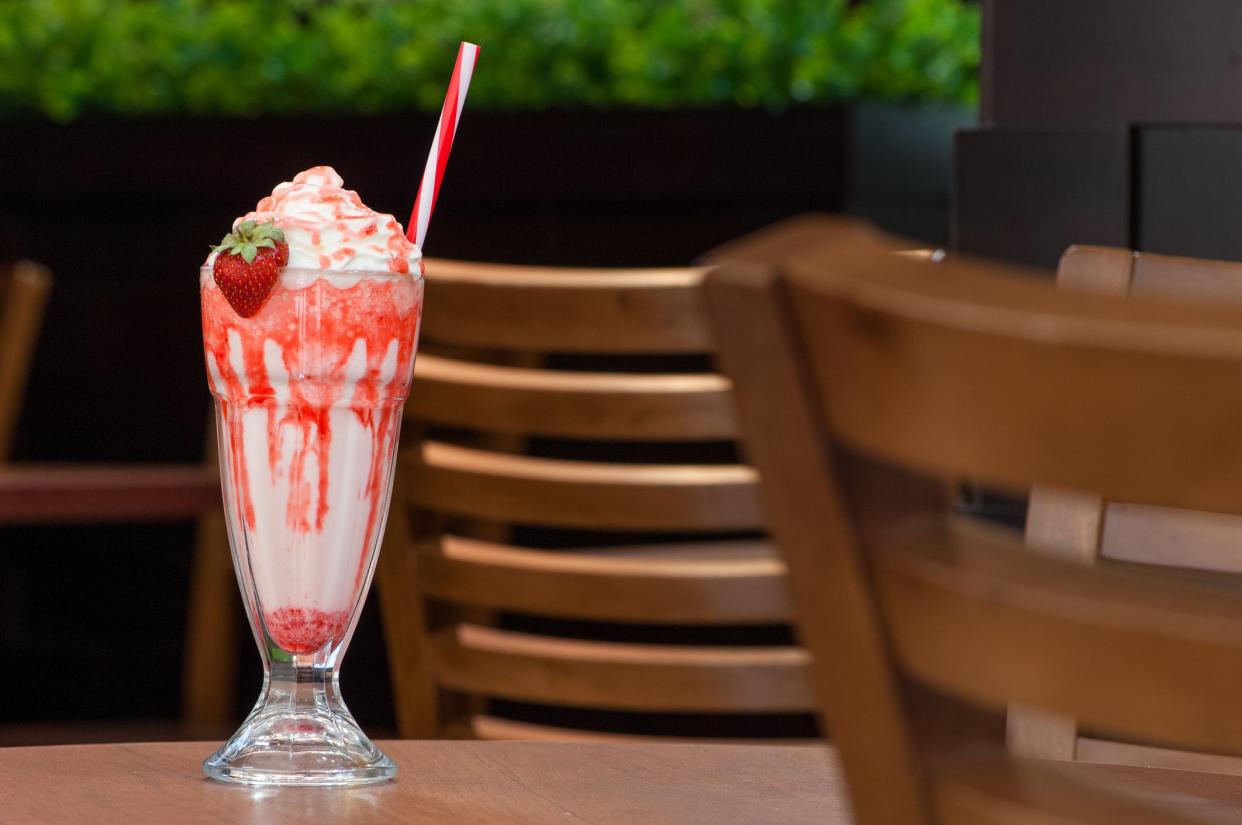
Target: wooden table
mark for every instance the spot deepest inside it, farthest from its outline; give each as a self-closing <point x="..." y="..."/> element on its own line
<point x="465" y="783"/>
<point x="515" y="783"/>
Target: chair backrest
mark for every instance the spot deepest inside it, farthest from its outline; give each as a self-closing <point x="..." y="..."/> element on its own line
<point x="1086" y="528"/>
<point x="864" y="381"/>
<point x="23" y="292"/>
<point x="594" y="419"/>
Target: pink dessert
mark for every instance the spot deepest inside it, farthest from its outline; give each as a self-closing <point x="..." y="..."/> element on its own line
<point x="309" y="391"/>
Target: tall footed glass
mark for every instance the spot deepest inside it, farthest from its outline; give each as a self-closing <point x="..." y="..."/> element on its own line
<point x="308" y="395"/>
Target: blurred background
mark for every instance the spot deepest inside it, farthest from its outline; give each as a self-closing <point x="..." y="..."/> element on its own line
<point x="598" y="132"/>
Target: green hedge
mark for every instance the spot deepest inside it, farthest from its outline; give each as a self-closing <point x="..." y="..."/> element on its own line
<point x="65" y="58"/>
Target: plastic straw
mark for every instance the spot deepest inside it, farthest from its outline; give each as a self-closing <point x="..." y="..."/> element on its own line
<point x="442" y="145"/>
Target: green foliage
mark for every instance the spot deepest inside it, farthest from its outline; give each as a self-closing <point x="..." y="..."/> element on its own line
<point x="64" y="58"/>
<point x="913" y="49"/>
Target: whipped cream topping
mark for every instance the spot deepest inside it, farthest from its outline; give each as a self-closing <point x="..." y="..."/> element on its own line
<point x="328" y="227"/>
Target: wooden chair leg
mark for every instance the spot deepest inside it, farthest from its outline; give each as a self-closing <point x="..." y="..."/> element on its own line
<point x="210" y="666"/>
<point x="209" y="670"/>
<point x="23" y="295"/>
<point x="405" y="629"/>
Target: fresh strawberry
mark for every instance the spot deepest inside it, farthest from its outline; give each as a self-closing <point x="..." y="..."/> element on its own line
<point x="248" y="262"/>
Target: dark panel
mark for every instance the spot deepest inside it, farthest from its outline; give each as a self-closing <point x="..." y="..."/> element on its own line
<point x="1102" y="62"/>
<point x="1190" y="191"/>
<point x="901" y="167"/>
<point x="987" y="64"/>
<point x="1025" y="196"/>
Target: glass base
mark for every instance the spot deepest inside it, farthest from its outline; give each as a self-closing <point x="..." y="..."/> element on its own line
<point x="300" y="735"/>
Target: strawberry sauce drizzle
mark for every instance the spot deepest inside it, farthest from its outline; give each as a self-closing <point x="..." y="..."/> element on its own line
<point x="328" y="226"/>
<point x="320" y="330"/>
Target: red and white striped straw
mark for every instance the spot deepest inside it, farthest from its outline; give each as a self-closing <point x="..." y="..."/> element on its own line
<point x="425" y="202"/>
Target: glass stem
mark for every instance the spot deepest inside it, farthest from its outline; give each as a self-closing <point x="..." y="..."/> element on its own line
<point x="302" y="685"/>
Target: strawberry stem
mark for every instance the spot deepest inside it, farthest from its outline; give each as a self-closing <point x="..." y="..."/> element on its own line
<point x="248" y="237"/>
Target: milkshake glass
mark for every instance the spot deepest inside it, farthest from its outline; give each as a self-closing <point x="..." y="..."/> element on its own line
<point x="308" y="394"/>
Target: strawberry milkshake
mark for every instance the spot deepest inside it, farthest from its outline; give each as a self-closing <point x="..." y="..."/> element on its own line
<point x="311" y="308"/>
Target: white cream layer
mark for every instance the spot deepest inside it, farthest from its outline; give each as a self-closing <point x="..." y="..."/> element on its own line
<point x="315" y="568"/>
<point x="329" y="227"/>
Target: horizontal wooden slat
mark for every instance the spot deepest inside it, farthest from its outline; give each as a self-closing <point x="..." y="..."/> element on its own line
<point x="565" y="310"/>
<point x="1000" y="790"/>
<point x="571" y="404"/>
<point x="495" y="728"/>
<point x="1145" y="756"/>
<point x="972" y="374"/>
<point x="696" y="583"/>
<point x="44" y="494"/>
<point x="513" y="488"/>
<point x="1177" y="538"/>
<point x="1187" y="279"/>
<point x="611" y="675"/>
<point x="970" y="612"/>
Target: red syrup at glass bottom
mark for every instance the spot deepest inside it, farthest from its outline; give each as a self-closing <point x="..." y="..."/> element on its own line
<point x="297" y="630"/>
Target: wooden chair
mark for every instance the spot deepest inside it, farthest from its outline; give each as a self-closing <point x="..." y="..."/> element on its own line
<point x="120" y="493"/>
<point x="1083" y="527"/>
<point x="864" y="381"/>
<point x="60" y="494"/>
<point x="458" y="601"/>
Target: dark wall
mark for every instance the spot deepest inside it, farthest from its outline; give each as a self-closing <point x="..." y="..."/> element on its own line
<point x="1111" y="122"/>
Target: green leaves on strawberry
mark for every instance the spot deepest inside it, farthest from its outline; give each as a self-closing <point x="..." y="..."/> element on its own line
<point x="248" y="263"/>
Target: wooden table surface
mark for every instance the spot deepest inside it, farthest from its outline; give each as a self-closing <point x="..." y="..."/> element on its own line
<point x="465" y="783"/>
<point x="515" y="783"/>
